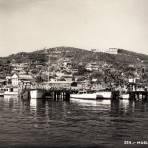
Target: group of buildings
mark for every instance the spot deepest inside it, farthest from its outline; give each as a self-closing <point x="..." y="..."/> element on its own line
<point x="60" y="71"/>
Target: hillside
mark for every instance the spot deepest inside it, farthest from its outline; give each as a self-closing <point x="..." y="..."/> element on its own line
<point x="120" y="62"/>
<point x="79" y="55"/>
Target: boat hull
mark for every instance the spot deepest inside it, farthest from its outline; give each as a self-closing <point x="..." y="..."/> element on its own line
<point x="10" y="94"/>
<point x="93" y="96"/>
<point x="84" y="96"/>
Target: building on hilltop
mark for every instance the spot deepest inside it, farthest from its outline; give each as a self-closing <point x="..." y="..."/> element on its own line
<point x="105" y="50"/>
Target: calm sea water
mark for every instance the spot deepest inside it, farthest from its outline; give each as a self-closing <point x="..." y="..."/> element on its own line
<point x="76" y="123"/>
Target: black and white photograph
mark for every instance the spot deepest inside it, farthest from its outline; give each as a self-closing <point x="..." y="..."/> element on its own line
<point x="73" y="73"/>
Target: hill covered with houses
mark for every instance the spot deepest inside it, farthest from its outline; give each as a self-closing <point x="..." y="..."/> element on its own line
<point x="74" y="64"/>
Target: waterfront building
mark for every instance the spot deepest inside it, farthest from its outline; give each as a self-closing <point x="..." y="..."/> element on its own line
<point x="26" y="80"/>
<point x="15" y="79"/>
<point x="67" y="78"/>
<point x="20" y="79"/>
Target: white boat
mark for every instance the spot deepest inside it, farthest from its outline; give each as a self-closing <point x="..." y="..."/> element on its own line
<point x="84" y="95"/>
<point x="104" y="94"/>
<point x="36" y="93"/>
<point x="10" y="91"/>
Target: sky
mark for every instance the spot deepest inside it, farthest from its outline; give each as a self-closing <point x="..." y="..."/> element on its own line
<point x="28" y="25"/>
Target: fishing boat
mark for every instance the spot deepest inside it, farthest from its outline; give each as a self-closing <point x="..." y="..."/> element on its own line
<point x="92" y="95"/>
<point x="87" y="95"/>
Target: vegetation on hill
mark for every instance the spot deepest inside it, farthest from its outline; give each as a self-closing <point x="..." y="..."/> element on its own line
<point x="121" y="65"/>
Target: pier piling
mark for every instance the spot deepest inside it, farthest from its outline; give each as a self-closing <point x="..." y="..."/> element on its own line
<point x="57" y="94"/>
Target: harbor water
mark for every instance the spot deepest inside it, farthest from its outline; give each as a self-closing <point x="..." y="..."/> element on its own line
<point x="76" y="123"/>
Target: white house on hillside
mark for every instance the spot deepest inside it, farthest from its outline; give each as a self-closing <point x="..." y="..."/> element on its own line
<point x="21" y="79"/>
<point x="15" y="79"/>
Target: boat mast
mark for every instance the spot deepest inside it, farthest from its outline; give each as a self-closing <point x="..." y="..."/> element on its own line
<point x="48" y="66"/>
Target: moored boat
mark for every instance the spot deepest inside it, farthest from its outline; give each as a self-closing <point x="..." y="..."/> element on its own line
<point x="92" y="95"/>
<point x="10" y="91"/>
<point x="87" y="95"/>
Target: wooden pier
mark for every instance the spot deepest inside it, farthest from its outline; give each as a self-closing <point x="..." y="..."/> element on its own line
<point x="63" y="94"/>
<point x="136" y="92"/>
<point x="138" y="95"/>
<point x="56" y="94"/>
<point x="133" y="95"/>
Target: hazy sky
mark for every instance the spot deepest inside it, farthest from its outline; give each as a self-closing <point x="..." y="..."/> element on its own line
<point x="27" y="25"/>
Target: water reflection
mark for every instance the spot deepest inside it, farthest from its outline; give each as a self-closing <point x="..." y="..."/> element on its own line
<point x="90" y="102"/>
<point x="8" y="102"/>
<point x="43" y="107"/>
<point x="114" y="106"/>
<point x="76" y="122"/>
<point x="33" y="104"/>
